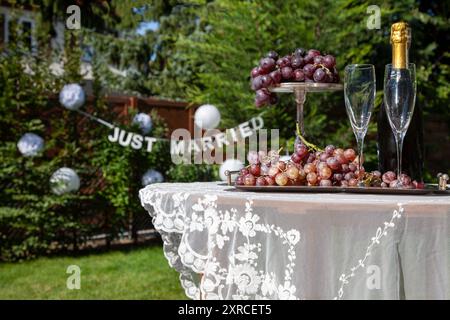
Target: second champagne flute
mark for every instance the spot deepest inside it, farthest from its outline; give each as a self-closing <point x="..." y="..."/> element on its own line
<point x="359" y="93"/>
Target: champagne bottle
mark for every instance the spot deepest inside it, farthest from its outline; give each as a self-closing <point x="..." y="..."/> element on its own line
<point x="413" y="148"/>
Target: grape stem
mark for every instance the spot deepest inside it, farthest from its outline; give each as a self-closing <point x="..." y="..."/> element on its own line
<point x="309" y="145"/>
<point x="323" y="66"/>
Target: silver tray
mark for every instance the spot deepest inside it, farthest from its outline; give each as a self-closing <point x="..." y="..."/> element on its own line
<point x="306" y="86"/>
<point x="370" y="190"/>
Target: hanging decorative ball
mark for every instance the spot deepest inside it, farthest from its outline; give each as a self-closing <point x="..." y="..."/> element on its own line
<point x="64" y="180"/>
<point x="207" y="116"/>
<point x="72" y="96"/>
<point x="144" y="121"/>
<point x="151" y="176"/>
<point x="30" y="144"/>
<point x="230" y="165"/>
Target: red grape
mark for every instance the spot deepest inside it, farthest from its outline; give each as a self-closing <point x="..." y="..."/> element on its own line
<point x="319" y="75"/>
<point x="325" y="172"/>
<point x="273" y="171"/>
<point x="338" y="177"/>
<point x="255" y="169"/>
<point x="301" y="150"/>
<point x="349" y="175"/>
<point x="309" y="167"/>
<point x="299" y="75"/>
<point x="239" y="181"/>
<point x="310" y="158"/>
<point x="262" y="95"/>
<point x="318" y="59"/>
<point x="297" y="62"/>
<point x="284" y="62"/>
<point x="314" y="52"/>
<point x="418" y="185"/>
<point x="325" y="183"/>
<point x="393" y="184"/>
<point x="296" y="158"/>
<point x="345" y="168"/>
<point x="255" y="72"/>
<point x="388" y="177"/>
<point x="272" y="54"/>
<point x="311" y="178"/>
<point x="329" y="149"/>
<point x="281" y="179"/>
<point x="276" y="76"/>
<point x="281" y="165"/>
<point x="244" y="171"/>
<point x="323" y="156"/>
<point x="300" y="52"/>
<point x="376" y="174"/>
<point x="308" y="70"/>
<point x="350" y="154"/>
<point x="267" y="64"/>
<point x="344" y="183"/>
<point x="308" y="59"/>
<point x="352" y="167"/>
<point x="321" y="165"/>
<point x="301" y="174"/>
<point x="270" y="181"/>
<point x="338" y="151"/>
<point x="352" y="182"/>
<point x="292" y="172"/>
<point x="340" y="158"/>
<point x="333" y="163"/>
<point x="329" y="61"/>
<point x="249" y="180"/>
<point x="266" y="81"/>
<point x="287" y="73"/>
<point x="256" y="83"/>
<point x="261" y="181"/>
<point x="404" y="179"/>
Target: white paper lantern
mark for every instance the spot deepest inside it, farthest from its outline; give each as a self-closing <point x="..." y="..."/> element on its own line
<point x="72" y="96"/>
<point x="30" y="144"/>
<point x="230" y="165"/>
<point x="144" y="121"/>
<point x="207" y="116"/>
<point x="64" y="180"/>
<point x="151" y="176"/>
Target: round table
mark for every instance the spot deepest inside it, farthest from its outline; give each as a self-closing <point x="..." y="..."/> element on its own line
<point x="229" y="244"/>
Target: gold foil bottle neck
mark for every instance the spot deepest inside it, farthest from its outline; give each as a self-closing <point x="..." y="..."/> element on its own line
<point x="400" y="33"/>
<point x="400" y="41"/>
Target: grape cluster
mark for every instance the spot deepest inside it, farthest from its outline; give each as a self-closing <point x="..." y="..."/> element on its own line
<point x="312" y="167"/>
<point x="300" y="66"/>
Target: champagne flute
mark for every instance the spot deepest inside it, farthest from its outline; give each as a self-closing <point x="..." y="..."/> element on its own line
<point x="359" y="93"/>
<point x="399" y="100"/>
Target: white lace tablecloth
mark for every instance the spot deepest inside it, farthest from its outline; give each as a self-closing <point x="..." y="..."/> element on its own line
<point x="243" y="245"/>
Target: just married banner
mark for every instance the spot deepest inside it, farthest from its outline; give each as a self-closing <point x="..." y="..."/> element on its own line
<point x="181" y="139"/>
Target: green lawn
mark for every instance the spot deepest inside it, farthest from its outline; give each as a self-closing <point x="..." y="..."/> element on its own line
<point x="135" y="274"/>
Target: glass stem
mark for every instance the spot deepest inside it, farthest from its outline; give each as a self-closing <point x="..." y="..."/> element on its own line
<point x="360" y="155"/>
<point x="399" y="144"/>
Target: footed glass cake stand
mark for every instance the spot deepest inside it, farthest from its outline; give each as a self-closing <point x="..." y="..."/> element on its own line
<point x="300" y="89"/>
